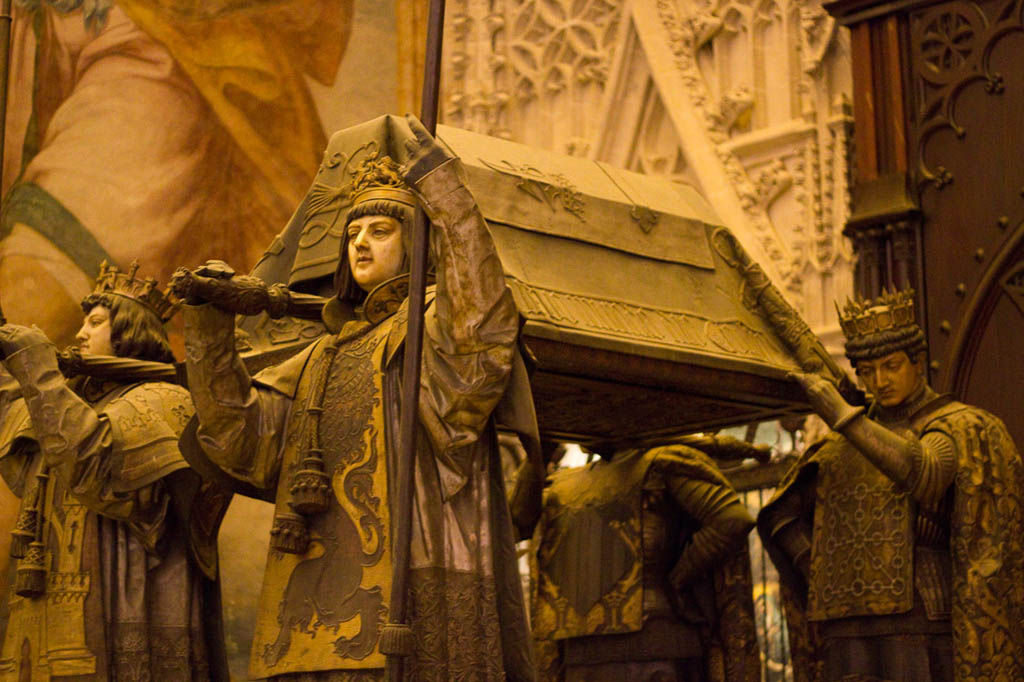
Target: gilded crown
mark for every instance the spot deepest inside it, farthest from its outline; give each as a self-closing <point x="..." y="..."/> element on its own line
<point x="890" y="311"/>
<point x="144" y="291"/>
<point x="379" y="179"/>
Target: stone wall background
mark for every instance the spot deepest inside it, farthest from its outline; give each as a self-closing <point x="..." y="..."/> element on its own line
<point x="748" y="100"/>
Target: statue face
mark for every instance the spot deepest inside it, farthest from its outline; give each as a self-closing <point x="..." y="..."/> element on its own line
<point x="94" y="336"/>
<point x="375" y="250"/>
<point x="892" y="378"/>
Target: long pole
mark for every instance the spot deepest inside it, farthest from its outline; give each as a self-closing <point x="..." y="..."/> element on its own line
<point x="411" y="366"/>
<point x="5" y="70"/>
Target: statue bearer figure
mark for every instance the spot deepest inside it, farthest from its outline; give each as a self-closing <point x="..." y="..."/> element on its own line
<point x="115" y="543"/>
<point x="320" y="430"/>
<point x="900" y="535"/>
<point x="643" y="572"/>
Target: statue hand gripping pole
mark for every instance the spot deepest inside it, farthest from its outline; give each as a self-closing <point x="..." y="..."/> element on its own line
<point x="396" y="640"/>
<point x="759" y="293"/>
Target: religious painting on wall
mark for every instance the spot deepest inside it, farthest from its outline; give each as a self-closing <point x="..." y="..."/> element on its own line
<point x="174" y="131"/>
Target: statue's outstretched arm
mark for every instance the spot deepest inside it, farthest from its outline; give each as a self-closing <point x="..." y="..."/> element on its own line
<point x="724" y="525"/>
<point x="923" y="467"/>
<point x="240" y="427"/>
<point x="77" y="443"/>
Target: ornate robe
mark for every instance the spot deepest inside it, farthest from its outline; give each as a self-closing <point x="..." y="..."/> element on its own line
<point x="884" y="564"/>
<point x="321" y="611"/>
<point x="126" y="534"/>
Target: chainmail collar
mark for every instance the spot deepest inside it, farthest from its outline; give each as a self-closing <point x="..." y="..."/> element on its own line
<point x="905" y="411"/>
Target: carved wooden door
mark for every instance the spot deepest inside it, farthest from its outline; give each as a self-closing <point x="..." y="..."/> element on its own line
<point x="967" y="152"/>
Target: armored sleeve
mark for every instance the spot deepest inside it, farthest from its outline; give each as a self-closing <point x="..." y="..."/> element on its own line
<point x="924" y="467"/>
<point x="79" y="446"/>
<point x="17" y="441"/>
<point x="787" y="524"/>
<point x="471" y="328"/>
<point x="240" y="425"/>
<point x="723" y="522"/>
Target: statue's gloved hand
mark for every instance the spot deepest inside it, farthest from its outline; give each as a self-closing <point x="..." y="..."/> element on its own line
<point x="422" y="152"/>
<point x="216" y="283"/>
<point x="216" y="269"/>
<point x="14" y="337"/>
<point x="193" y="286"/>
<point x="826" y="400"/>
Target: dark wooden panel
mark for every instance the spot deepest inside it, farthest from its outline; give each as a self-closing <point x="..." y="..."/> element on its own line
<point x="968" y="109"/>
<point x="992" y="366"/>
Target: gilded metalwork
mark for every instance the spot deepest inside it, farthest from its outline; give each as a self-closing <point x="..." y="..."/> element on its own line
<point x="253" y="429"/>
<point x="732" y="337"/>
<point x="916" y="559"/>
<point x="863" y="564"/>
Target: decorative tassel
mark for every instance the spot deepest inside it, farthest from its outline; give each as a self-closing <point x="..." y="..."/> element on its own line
<point x="289" y="533"/>
<point x="396" y="639"/>
<point x="310" y="487"/>
<point x="24" y="532"/>
<point x="30" y="580"/>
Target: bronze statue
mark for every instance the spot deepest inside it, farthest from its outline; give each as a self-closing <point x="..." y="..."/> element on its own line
<point x="116" y="538"/>
<point x="898" y="536"/>
<point x="642" y="572"/>
<point x="318" y="431"/>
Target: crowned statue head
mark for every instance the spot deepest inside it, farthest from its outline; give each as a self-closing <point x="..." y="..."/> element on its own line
<point x="885" y="345"/>
<point x="125" y="317"/>
<point x="376" y="243"/>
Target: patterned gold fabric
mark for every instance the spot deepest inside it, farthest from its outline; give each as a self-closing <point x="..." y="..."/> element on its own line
<point x="592" y="560"/>
<point x="461" y="536"/>
<point x="123" y="598"/>
<point x="988" y="546"/>
<point x="452" y="609"/>
<point x="328" y="604"/>
<point x="590" y="513"/>
<point x="864" y="563"/>
<point x="986" y="526"/>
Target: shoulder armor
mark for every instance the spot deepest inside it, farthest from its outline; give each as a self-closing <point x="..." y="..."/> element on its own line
<point x="145" y="422"/>
<point x="683" y="460"/>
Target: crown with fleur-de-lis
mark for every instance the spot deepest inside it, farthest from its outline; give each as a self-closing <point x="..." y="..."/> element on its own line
<point x="890" y="311"/>
<point x="145" y="291"/>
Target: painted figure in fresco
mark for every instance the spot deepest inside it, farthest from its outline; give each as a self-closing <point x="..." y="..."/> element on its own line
<point x="115" y="544"/>
<point x="899" y="537"/>
<point x="154" y="127"/>
<point x="319" y="430"/>
<point x="643" y="572"/>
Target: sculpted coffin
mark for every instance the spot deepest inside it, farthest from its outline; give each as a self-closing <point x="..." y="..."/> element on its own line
<point x="639" y="328"/>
